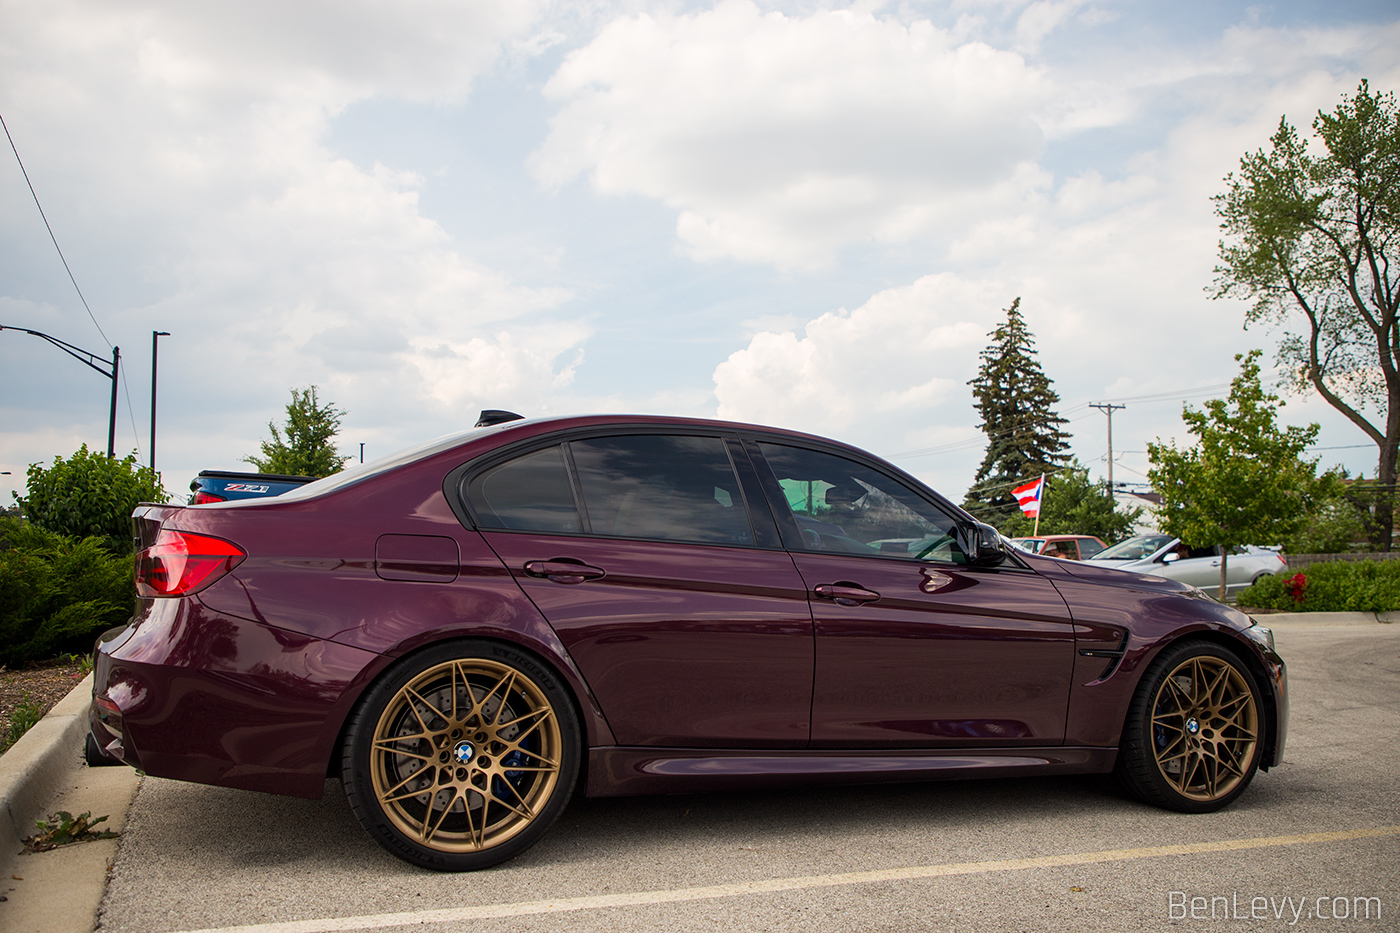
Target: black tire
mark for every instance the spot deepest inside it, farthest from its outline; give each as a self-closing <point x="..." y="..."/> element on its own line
<point x="462" y="755"/>
<point x="1195" y="730"/>
<point x="95" y="757"/>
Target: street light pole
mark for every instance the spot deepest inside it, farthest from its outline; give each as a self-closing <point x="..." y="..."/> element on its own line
<point x="155" y="347"/>
<point x="89" y="359"/>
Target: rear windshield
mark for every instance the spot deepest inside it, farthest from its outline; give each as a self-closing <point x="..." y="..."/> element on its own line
<point x="364" y="471"/>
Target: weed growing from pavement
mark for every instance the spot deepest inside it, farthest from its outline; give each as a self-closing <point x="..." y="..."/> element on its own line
<point x="63" y="828"/>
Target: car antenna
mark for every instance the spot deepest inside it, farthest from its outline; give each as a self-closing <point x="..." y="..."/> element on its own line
<point x="490" y="416"/>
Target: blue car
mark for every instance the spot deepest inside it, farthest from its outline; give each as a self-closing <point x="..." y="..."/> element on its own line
<point x="223" y="486"/>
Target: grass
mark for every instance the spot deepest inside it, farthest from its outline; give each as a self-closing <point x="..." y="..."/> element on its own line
<point x="26" y="713"/>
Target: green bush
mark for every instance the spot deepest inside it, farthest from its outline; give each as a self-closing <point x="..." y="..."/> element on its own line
<point x="90" y="495"/>
<point x="57" y="592"/>
<point x="1335" y="586"/>
<point x="25" y="716"/>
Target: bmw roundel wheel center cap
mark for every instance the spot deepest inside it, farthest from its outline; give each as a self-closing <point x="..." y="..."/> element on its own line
<point x="463" y="752"/>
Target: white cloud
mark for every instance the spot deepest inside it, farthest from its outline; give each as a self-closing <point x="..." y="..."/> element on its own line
<point x="1112" y="269"/>
<point x="886" y="369"/>
<point x="782" y="138"/>
<point x="190" y="141"/>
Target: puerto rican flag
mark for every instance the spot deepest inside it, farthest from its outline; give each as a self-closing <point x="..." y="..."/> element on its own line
<point x="1029" y="496"/>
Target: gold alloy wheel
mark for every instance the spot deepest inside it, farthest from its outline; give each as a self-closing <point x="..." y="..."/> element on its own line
<point x="1205" y="728"/>
<point x="466" y="755"/>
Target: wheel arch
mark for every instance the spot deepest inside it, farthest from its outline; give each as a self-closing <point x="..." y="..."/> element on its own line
<point x="1249" y="655"/>
<point x="593" y="727"/>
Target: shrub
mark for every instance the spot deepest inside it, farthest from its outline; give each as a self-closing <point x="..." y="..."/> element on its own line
<point x="1335" y="586"/>
<point x="25" y="716"/>
<point x="57" y="592"/>
<point x="90" y="495"/>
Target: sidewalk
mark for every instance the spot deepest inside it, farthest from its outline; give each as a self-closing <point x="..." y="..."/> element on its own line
<point x="57" y="891"/>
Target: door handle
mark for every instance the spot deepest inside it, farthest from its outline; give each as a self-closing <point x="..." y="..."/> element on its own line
<point x="845" y="594"/>
<point x="561" y="570"/>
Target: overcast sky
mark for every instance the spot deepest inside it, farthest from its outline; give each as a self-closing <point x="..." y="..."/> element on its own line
<point x="805" y="214"/>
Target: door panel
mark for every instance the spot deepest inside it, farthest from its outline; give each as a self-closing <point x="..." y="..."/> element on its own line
<point x="683" y="645"/>
<point x="947" y="656"/>
<point x="914" y="647"/>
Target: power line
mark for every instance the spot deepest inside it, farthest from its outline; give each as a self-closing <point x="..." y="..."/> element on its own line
<point x="45" y="218"/>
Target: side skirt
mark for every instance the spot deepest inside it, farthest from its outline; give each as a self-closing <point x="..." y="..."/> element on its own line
<point x="621" y="772"/>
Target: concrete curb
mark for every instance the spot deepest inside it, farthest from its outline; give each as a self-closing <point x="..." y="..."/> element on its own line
<point x="33" y="771"/>
<point x="1325" y="618"/>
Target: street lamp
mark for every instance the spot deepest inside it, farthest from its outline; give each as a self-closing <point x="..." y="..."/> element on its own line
<point x="155" y="346"/>
<point x="89" y="359"/>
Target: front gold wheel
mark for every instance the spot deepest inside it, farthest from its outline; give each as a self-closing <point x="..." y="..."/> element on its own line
<point x="463" y="758"/>
<point x="1195" y="730"/>
<point x="1205" y="728"/>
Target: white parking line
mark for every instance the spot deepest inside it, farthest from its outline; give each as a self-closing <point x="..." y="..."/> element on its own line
<point x="776" y="885"/>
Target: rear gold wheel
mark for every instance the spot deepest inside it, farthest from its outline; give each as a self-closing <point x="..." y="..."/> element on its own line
<point x="463" y="757"/>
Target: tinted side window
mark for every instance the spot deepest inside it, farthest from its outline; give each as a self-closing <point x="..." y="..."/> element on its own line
<point x="841" y="505"/>
<point x="529" y="493"/>
<point x="661" y="486"/>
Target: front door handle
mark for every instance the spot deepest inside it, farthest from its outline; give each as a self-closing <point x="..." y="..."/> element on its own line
<point x="846" y="594"/>
<point x="563" y="570"/>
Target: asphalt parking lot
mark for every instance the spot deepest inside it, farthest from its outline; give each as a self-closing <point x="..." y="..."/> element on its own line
<point x="1313" y="845"/>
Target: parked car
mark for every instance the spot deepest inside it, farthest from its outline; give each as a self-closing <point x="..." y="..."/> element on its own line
<point x="1070" y="547"/>
<point x="224" y="486"/>
<point x="463" y="631"/>
<point x="1165" y="556"/>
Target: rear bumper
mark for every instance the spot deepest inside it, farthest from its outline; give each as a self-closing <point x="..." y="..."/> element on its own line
<point x="186" y="693"/>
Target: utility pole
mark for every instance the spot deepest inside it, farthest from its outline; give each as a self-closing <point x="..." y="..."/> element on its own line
<point x="1108" y="408"/>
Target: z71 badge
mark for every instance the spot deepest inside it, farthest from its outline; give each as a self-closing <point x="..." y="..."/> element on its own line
<point x="245" y="487"/>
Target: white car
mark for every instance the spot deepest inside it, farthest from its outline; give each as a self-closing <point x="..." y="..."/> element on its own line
<point x="1165" y="556"/>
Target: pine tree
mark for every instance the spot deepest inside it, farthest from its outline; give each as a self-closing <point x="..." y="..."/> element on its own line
<point x="1017" y="405"/>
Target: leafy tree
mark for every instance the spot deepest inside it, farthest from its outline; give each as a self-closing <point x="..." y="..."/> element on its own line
<point x="1338" y="519"/>
<point x="1243" y="482"/>
<point x="1314" y="240"/>
<point x="1074" y="505"/>
<point x="308" y="449"/>
<point x="89" y="495"/>
<point x="1017" y="405"/>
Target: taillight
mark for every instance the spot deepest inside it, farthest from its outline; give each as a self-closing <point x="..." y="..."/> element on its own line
<point x="202" y="497"/>
<point x="180" y="563"/>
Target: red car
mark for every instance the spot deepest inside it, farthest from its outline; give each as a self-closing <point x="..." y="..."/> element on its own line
<point x="1070" y="547"/>
<point x="464" y="632"/>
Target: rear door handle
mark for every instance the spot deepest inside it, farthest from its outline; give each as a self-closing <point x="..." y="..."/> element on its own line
<point x="563" y="571"/>
<point x="845" y="594"/>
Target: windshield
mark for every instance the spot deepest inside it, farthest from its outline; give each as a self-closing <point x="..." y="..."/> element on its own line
<point x="1135" y="548"/>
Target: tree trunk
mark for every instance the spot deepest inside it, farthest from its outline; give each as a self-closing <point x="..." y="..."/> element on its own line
<point x="1385" y="476"/>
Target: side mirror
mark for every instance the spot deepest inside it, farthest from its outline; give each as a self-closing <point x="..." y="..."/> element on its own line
<point x="1171" y="556"/>
<point x="985" y="547"/>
